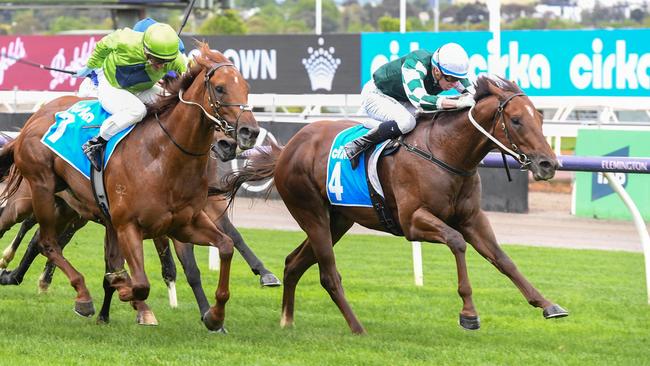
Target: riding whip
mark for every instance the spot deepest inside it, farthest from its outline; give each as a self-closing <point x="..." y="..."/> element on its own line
<point x="35" y="64"/>
<point x="188" y="10"/>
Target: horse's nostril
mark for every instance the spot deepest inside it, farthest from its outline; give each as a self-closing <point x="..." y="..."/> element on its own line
<point x="545" y="164"/>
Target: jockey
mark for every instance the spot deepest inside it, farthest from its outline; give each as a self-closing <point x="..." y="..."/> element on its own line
<point x="403" y="88"/>
<point x="129" y="65"/>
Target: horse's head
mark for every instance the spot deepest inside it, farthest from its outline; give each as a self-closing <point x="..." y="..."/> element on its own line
<point x="516" y="124"/>
<point x="226" y="96"/>
<point x="224" y="146"/>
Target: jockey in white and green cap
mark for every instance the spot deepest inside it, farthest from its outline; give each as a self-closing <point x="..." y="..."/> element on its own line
<point x="403" y="88"/>
<point x="129" y="65"/>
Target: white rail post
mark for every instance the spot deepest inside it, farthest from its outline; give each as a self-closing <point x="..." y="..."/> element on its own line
<point x="213" y="259"/>
<point x="638" y="222"/>
<point x="417" y="263"/>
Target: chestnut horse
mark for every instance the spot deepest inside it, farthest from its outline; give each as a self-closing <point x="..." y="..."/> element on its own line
<point x="156" y="181"/>
<point x="438" y="203"/>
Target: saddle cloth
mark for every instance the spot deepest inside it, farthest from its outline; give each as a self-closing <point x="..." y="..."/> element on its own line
<point x="73" y="127"/>
<point x="345" y="186"/>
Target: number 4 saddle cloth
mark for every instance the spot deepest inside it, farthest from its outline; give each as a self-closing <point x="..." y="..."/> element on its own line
<point x="348" y="187"/>
<point x="76" y="125"/>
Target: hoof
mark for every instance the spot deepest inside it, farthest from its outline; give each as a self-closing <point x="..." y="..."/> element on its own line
<point x="221" y="330"/>
<point x="102" y="320"/>
<point x="84" y="308"/>
<point x="146" y="318"/>
<point x="555" y="311"/>
<point x="269" y="280"/>
<point x="7" y="279"/>
<point x="469" y="322"/>
<point x="212" y="324"/>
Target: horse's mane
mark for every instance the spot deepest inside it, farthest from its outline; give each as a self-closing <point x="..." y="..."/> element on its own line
<point x="204" y="60"/>
<point x="482" y="86"/>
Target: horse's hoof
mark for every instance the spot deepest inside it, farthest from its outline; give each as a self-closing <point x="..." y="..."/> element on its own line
<point x="470" y="322"/>
<point x="84" y="308"/>
<point x="7" y="279"/>
<point x="555" y="311"/>
<point x="212" y="324"/>
<point x="221" y="330"/>
<point x="269" y="280"/>
<point x="146" y="318"/>
<point x="102" y="320"/>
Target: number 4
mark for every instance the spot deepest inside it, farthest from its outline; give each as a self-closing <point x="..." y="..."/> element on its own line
<point x="334" y="185"/>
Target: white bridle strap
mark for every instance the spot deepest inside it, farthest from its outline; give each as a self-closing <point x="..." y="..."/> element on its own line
<point x="211" y="117"/>
<point x="488" y="135"/>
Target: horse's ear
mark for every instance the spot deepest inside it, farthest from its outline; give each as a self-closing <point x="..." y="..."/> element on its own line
<point x="494" y="89"/>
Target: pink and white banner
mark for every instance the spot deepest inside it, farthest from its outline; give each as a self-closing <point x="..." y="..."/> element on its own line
<point x="61" y="52"/>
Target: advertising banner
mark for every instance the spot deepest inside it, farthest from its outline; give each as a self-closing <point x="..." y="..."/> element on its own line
<point x="61" y="52"/>
<point x="593" y="195"/>
<point x="544" y="63"/>
<point x="293" y="64"/>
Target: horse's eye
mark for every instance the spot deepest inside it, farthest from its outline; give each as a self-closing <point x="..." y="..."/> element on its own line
<point x="220" y="89"/>
<point x="515" y="121"/>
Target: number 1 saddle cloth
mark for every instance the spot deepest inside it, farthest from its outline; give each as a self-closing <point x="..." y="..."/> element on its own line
<point x="76" y="125"/>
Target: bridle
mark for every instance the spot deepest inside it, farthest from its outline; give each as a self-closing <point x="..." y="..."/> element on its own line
<point x="499" y="117"/>
<point x="218" y="121"/>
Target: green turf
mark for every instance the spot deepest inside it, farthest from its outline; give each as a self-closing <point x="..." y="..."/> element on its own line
<point x="604" y="291"/>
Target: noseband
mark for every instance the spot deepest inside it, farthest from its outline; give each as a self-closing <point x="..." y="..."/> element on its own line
<point x="499" y="116"/>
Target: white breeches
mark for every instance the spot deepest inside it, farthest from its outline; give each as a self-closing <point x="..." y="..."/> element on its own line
<point x="126" y="108"/>
<point x="382" y="108"/>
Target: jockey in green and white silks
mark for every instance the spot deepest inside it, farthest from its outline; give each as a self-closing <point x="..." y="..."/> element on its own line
<point x="403" y="88"/>
<point x="129" y="65"/>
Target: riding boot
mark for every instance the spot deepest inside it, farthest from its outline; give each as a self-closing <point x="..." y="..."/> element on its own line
<point x="385" y="130"/>
<point x="94" y="149"/>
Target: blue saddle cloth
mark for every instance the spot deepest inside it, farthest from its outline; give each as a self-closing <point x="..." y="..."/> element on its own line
<point x="345" y="186"/>
<point x="76" y="125"/>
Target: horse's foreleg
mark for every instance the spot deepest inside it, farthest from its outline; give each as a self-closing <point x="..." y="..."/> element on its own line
<point x="267" y="278"/>
<point x="15" y="276"/>
<point x="117" y="278"/>
<point x="185" y="254"/>
<point x="45" y="211"/>
<point x="480" y="235"/>
<point x="168" y="267"/>
<point x="203" y="231"/>
<point x="10" y="251"/>
<point x="425" y="226"/>
<point x="129" y="239"/>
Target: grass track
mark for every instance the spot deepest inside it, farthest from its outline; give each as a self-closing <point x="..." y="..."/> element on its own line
<point x="604" y="291"/>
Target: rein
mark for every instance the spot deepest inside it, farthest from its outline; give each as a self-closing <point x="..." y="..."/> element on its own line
<point x="499" y="116"/>
<point x="431" y="158"/>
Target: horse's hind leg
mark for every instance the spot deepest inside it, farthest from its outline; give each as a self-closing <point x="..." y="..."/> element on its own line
<point x="70" y="224"/>
<point x="322" y="252"/>
<point x="17" y="209"/>
<point x="267" y="278"/>
<point x="425" y="226"/>
<point x="45" y="211"/>
<point x="480" y="235"/>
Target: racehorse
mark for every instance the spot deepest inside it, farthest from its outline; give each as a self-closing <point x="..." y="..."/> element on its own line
<point x="436" y="202"/>
<point x="156" y="182"/>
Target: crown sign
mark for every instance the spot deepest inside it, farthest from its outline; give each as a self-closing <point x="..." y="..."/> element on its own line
<point x="321" y="66"/>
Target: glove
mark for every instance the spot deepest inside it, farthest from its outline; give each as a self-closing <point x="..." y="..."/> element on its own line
<point x="83" y="72"/>
<point x="465" y="100"/>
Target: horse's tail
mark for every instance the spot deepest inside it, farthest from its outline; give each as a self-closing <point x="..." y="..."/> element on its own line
<point x="9" y="174"/>
<point x="259" y="166"/>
